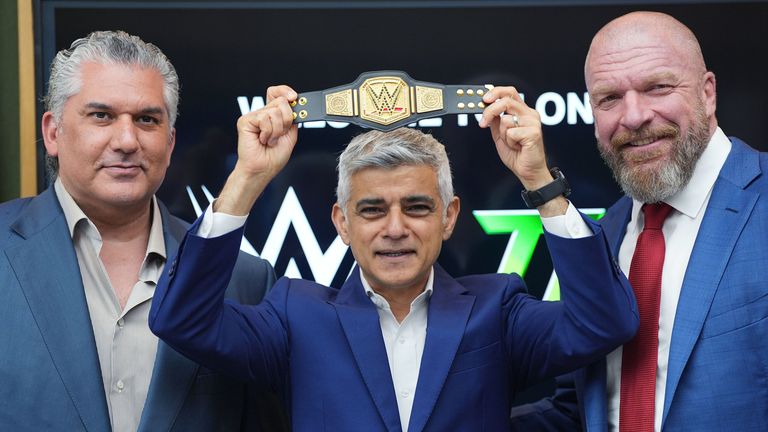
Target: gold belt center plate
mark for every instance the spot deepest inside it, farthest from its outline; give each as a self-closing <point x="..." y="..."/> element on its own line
<point x="384" y="100"/>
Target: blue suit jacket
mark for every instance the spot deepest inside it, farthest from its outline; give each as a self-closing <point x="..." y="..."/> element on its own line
<point x="718" y="361"/>
<point x="324" y="348"/>
<point x="49" y="369"/>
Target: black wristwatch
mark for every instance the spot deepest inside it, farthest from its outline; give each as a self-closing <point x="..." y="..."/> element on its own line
<point x="558" y="186"/>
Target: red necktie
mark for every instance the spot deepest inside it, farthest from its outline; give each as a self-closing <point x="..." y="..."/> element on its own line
<point x="639" y="358"/>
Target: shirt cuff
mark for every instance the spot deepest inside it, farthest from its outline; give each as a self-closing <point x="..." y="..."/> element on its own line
<point x="217" y="224"/>
<point x="570" y="225"/>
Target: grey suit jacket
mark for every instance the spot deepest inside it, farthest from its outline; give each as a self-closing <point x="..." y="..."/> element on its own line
<point x="50" y="378"/>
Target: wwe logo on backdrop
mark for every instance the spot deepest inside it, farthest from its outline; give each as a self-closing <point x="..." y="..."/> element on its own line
<point x="324" y="265"/>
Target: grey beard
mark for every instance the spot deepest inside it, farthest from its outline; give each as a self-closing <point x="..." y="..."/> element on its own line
<point x="651" y="186"/>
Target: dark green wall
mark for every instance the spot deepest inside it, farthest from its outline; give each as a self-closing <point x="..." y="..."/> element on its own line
<point x="9" y="101"/>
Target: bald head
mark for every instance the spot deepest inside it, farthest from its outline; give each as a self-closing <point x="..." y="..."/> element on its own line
<point x="638" y="30"/>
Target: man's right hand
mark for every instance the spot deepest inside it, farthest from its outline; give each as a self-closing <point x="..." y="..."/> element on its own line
<point x="266" y="138"/>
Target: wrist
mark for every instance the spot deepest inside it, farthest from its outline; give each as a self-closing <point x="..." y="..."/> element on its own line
<point x="546" y="191"/>
<point x="537" y="180"/>
<point x="556" y="207"/>
<point x="245" y="173"/>
<point x="240" y="192"/>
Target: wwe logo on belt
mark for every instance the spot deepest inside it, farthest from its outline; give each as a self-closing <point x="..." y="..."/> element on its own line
<point x="384" y="100"/>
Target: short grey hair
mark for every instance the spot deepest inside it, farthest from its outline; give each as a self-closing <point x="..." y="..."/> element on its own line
<point x="106" y="47"/>
<point x="390" y="150"/>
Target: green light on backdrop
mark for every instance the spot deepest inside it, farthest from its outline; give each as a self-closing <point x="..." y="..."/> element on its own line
<point x="524" y="229"/>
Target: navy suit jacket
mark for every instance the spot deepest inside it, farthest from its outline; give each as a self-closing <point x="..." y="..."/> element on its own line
<point x="718" y="361"/>
<point x="323" y="347"/>
<point x="50" y="379"/>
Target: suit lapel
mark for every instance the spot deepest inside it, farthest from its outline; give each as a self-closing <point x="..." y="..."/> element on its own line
<point x="45" y="265"/>
<point x="615" y="223"/>
<point x="173" y="374"/>
<point x="728" y="211"/>
<point x="360" y="321"/>
<point x="449" y="310"/>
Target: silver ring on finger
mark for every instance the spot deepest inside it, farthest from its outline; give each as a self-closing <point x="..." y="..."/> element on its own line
<point x="516" y="120"/>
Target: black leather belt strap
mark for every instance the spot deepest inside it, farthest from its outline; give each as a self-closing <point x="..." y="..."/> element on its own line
<point x="387" y="100"/>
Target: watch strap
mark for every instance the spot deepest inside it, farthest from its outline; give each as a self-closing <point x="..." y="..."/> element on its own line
<point x="557" y="187"/>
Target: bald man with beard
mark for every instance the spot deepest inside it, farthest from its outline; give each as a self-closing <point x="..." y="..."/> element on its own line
<point x="705" y="362"/>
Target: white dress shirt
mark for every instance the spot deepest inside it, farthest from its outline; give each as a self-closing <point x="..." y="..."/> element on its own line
<point x="404" y="342"/>
<point x="680" y="230"/>
<point x="125" y="345"/>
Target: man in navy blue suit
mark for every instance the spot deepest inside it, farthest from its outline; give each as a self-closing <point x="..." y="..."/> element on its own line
<point x="654" y="104"/>
<point x="79" y="263"/>
<point x="402" y="346"/>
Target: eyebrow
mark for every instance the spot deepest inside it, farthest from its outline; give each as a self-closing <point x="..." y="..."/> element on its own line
<point x="106" y="107"/>
<point x="410" y="199"/>
<point x="369" y="201"/>
<point x="152" y="110"/>
<point x="414" y="199"/>
<point x="601" y="90"/>
<point x="659" y="77"/>
<point x="98" y="105"/>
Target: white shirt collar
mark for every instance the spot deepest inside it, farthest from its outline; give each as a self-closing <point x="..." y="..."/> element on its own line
<point x="381" y="303"/>
<point x="74" y="214"/>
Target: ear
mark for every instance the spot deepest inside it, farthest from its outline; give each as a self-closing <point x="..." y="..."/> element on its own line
<point x="340" y="222"/>
<point x="50" y="134"/>
<point x="451" y="215"/>
<point x="710" y="94"/>
<point x="171" y="146"/>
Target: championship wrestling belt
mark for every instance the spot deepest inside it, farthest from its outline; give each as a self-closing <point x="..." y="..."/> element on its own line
<point x="387" y="100"/>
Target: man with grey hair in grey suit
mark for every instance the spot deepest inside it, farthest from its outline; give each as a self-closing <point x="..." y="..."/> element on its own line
<point x="79" y="262"/>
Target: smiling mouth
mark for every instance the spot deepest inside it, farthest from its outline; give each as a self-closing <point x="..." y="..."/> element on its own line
<point x="642" y="142"/>
<point x="638" y="142"/>
<point x="394" y="253"/>
<point x="647" y="147"/>
<point x="645" y="136"/>
<point x="123" y="165"/>
<point x="123" y="170"/>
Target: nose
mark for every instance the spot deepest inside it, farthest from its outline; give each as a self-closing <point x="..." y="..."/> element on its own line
<point x="395" y="227"/>
<point x="125" y="138"/>
<point x="637" y="111"/>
